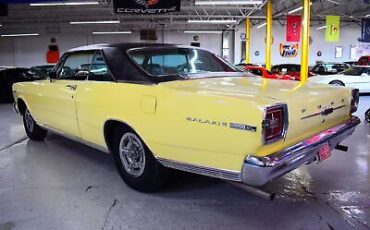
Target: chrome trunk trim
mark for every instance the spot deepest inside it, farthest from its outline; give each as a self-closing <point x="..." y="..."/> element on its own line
<point x="258" y="171"/>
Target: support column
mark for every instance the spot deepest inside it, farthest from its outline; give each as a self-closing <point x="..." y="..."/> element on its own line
<point x="305" y="39"/>
<point x="268" y="34"/>
<point x="247" y="40"/>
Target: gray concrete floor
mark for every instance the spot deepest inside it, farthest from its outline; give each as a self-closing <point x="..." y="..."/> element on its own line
<point x="60" y="184"/>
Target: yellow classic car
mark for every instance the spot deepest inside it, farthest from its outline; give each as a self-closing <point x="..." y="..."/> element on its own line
<point x="155" y="107"/>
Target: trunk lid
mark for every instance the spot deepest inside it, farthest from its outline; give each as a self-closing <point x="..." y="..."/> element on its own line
<point x="311" y="107"/>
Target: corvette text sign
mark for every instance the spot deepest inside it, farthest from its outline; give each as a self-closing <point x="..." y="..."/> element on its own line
<point x="146" y="6"/>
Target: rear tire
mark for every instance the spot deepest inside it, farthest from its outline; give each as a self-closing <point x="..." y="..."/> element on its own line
<point x="34" y="131"/>
<point x="367" y="116"/>
<point x="336" y="83"/>
<point x="136" y="163"/>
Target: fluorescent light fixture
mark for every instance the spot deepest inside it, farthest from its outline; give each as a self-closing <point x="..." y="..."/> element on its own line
<point x="112" y="32"/>
<point x="202" y="32"/>
<point x="321" y="27"/>
<point x="297" y="9"/>
<point x="95" y="22"/>
<point x="18" y="35"/>
<point x="367" y="16"/>
<point x="252" y="2"/>
<point x="212" y="21"/>
<point x="262" y="25"/>
<point x="65" y="3"/>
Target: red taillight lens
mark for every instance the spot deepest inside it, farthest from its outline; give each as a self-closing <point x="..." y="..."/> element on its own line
<point x="355" y="100"/>
<point x="274" y="124"/>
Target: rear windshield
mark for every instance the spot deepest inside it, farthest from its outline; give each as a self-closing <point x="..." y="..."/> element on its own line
<point x="185" y="62"/>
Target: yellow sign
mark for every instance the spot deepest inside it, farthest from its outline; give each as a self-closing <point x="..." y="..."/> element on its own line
<point x="332" y="28"/>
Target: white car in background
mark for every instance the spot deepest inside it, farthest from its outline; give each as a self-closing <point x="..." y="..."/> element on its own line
<point x="354" y="77"/>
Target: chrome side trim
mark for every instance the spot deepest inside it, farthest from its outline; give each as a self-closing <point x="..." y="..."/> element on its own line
<point x="76" y="139"/>
<point x="202" y="170"/>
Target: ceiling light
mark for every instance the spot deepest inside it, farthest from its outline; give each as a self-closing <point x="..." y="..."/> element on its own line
<point x="96" y="22"/>
<point x="297" y="9"/>
<point x="65" y="3"/>
<point x="262" y="25"/>
<point x="367" y="16"/>
<point x="112" y="32"/>
<point x="18" y="35"/>
<point x="322" y="27"/>
<point x="252" y="2"/>
<point x="212" y="21"/>
<point x="202" y="32"/>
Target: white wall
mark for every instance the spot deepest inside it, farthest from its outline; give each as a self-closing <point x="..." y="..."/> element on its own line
<point x="348" y="36"/>
<point x="29" y="51"/>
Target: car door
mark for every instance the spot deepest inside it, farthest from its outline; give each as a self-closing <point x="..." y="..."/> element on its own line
<point x="92" y="98"/>
<point x="58" y="95"/>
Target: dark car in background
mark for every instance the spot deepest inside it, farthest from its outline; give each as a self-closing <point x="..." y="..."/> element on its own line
<point x="329" y="68"/>
<point x="293" y="70"/>
<point x="11" y="75"/>
<point x="41" y="70"/>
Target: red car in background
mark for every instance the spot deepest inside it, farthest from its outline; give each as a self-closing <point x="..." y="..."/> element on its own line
<point x="263" y="72"/>
<point x="364" y="60"/>
<point x="292" y="70"/>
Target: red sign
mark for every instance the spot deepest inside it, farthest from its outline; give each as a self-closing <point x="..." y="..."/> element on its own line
<point x="293" y="28"/>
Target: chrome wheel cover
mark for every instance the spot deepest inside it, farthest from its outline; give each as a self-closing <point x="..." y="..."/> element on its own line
<point x="336" y="84"/>
<point x="132" y="154"/>
<point x="30" y="124"/>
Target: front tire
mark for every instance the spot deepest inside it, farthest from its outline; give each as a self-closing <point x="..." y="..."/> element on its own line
<point x="136" y="163"/>
<point x="367" y="116"/>
<point x="34" y="131"/>
<point x="336" y="83"/>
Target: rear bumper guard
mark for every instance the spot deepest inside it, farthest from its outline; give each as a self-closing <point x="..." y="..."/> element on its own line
<point x="257" y="171"/>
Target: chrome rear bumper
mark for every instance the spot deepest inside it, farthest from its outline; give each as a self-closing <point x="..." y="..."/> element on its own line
<point x="258" y="171"/>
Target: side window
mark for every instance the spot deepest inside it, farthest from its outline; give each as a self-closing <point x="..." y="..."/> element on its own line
<point x="74" y="64"/>
<point x="99" y="69"/>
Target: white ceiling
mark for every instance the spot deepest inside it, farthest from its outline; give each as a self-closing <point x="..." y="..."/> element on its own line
<point x="23" y="18"/>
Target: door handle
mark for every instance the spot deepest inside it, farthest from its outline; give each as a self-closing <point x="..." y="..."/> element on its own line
<point x="72" y="87"/>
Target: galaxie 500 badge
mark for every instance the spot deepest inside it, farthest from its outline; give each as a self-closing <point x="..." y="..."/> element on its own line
<point x="224" y="124"/>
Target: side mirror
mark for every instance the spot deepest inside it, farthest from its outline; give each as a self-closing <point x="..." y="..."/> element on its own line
<point x="82" y="75"/>
<point x="364" y="75"/>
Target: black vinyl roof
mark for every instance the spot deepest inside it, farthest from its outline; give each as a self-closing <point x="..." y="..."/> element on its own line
<point x="123" y="67"/>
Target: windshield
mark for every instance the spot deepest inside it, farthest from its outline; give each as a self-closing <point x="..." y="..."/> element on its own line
<point x="186" y="62"/>
<point x="356" y="71"/>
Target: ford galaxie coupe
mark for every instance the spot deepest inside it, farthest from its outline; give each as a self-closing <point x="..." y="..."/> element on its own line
<point x="155" y="107"/>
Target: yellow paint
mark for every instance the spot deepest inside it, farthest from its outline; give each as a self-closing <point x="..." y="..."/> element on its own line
<point x="148" y="104"/>
<point x="305" y="40"/>
<point x="247" y="41"/>
<point x="188" y="122"/>
<point x="268" y="34"/>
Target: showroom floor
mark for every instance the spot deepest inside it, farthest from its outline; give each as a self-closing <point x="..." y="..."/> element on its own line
<point x="60" y="184"/>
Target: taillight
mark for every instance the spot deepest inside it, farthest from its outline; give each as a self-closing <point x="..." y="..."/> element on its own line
<point x="275" y="123"/>
<point x="355" y="100"/>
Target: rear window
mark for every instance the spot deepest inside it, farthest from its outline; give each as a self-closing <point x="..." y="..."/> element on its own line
<point x="178" y="61"/>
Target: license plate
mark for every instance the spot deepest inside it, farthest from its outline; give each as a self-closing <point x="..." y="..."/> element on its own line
<point x="324" y="152"/>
